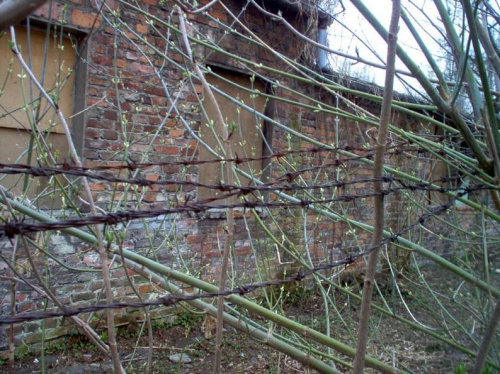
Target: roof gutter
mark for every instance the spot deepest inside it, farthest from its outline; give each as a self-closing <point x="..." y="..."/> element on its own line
<point x="323" y="64"/>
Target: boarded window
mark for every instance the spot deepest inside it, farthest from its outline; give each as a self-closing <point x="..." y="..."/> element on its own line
<point x="439" y="175"/>
<point x="29" y="127"/>
<point x="247" y="130"/>
<point x="439" y="172"/>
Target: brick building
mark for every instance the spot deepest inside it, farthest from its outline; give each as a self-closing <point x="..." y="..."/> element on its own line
<point x="124" y="79"/>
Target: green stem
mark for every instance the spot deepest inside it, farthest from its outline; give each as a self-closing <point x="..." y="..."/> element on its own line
<point x="263" y="336"/>
<point x="197" y="283"/>
<point x="429" y="88"/>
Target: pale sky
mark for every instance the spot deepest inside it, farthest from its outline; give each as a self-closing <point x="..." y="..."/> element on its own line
<point x="341" y="39"/>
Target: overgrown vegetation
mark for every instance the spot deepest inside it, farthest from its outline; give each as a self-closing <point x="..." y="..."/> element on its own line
<point x="436" y="285"/>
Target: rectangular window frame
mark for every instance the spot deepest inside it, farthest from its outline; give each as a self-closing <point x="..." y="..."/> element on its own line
<point x="267" y="132"/>
<point x="76" y="119"/>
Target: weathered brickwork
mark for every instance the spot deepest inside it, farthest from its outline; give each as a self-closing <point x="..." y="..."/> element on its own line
<point x="138" y="103"/>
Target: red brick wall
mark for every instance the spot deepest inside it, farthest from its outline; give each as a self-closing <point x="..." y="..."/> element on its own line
<point x="121" y="123"/>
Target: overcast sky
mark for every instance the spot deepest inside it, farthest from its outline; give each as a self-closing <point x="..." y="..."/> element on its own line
<point x="351" y="41"/>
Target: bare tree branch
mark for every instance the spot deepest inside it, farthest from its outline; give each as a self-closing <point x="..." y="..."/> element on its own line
<point x="378" y="171"/>
<point x="487" y="340"/>
<point x="14" y="11"/>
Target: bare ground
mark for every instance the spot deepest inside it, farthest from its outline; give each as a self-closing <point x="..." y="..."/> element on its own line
<point x="183" y="337"/>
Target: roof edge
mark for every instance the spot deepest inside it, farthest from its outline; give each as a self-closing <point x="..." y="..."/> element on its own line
<point x="301" y="8"/>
